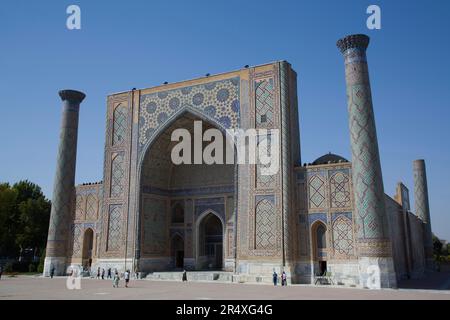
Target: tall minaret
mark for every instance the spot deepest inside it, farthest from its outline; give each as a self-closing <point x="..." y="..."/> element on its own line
<point x="422" y="208"/>
<point x="373" y="241"/>
<point x="64" y="184"/>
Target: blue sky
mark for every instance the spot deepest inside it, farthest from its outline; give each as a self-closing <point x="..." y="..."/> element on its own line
<point x="126" y="44"/>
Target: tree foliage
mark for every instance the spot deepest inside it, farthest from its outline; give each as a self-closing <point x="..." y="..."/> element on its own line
<point x="24" y="218"/>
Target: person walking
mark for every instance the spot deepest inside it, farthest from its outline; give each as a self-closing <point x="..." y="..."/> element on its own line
<point x="127" y="278"/>
<point x="136" y="272"/>
<point x="184" y="276"/>
<point x="283" y="279"/>
<point x="52" y="272"/>
<point x="116" y="280"/>
<point x="275" y="278"/>
<point x="98" y="273"/>
<point x="103" y="273"/>
<point x="109" y="273"/>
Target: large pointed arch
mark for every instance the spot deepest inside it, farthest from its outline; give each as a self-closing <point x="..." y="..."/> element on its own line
<point x="144" y="156"/>
<point x="169" y="121"/>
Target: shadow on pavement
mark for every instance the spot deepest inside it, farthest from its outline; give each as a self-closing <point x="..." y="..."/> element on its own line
<point x="431" y="281"/>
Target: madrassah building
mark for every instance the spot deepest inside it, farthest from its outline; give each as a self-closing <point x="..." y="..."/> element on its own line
<point x="149" y="215"/>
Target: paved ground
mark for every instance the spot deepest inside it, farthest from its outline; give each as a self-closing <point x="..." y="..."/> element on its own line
<point x="27" y="287"/>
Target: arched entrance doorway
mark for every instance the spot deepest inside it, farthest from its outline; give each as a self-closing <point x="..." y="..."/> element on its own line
<point x="177" y="251"/>
<point x="319" y="236"/>
<point x="170" y="196"/>
<point x="88" y="245"/>
<point x="210" y="242"/>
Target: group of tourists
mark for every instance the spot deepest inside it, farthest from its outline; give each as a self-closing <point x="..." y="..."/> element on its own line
<point x="126" y="276"/>
<point x="115" y="278"/>
<point x="283" y="278"/>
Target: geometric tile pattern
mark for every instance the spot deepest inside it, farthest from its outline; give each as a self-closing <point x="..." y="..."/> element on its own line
<point x="316" y="187"/>
<point x="115" y="228"/>
<point x="264" y="101"/>
<point x="367" y="178"/>
<point x="422" y="206"/>
<point x="217" y="100"/>
<point x="79" y="208"/>
<point x="155" y="222"/>
<point x="264" y="181"/>
<point x="117" y="176"/>
<point x="63" y="190"/>
<point x="304" y="236"/>
<point x="421" y="192"/>
<point x="76" y="237"/>
<point x="368" y="183"/>
<point x="119" y="124"/>
<point x="215" y="204"/>
<point x="340" y="190"/>
<point x="343" y="237"/>
<point x="313" y="217"/>
<point x="91" y="207"/>
<point x="265" y="225"/>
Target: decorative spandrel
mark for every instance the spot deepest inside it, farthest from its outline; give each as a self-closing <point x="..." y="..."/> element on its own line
<point x="119" y="124"/>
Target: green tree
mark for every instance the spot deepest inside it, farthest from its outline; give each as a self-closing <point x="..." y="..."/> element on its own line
<point x="24" y="218"/>
<point x="8" y="204"/>
<point x="437" y="246"/>
<point x="437" y="250"/>
<point x="33" y="219"/>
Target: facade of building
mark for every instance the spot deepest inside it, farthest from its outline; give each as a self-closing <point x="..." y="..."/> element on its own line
<point x="150" y="215"/>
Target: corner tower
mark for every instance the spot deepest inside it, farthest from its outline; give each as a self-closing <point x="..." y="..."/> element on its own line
<point x="372" y="235"/>
<point x="64" y="184"/>
<point x="422" y="208"/>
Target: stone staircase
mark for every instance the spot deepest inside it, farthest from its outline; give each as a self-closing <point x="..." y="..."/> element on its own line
<point x="209" y="276"/>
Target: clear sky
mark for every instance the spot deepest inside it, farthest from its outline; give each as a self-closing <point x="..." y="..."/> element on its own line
<point x="126" y="44"/>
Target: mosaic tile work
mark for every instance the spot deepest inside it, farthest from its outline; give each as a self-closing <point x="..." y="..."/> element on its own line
<point x="340" y="190"/>
<point x="76" y="240"/>
<point x="313" y="217"/>
<point x="303" y="236"/>
<point x="264" y="102"/>
<point x="155" y="226"/>
<point x="215" y="204"/>
<point x="119" y="124"/>
<point x="423" y="208"/>
<point x="79" y="208"/>
<point x="115" y="228"/>
<point x="265" y="225"/>
<point x="317" y="191"/>
<point x="91" y="207"/>
<point x="343" y="237"/>
<point x="218" y="101"/>
<point x="421" y="191"/>
<point x="366" y="169"/>
<point x="64" y="181"/>
<point x="264" y="181"/>
<point x="117" y="176"/>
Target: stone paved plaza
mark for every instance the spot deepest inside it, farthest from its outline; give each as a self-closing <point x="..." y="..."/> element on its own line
<point x="26" y="287"/>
